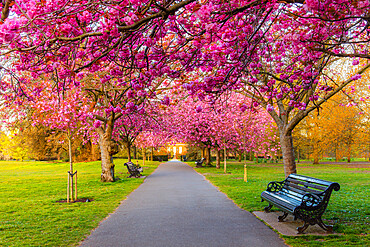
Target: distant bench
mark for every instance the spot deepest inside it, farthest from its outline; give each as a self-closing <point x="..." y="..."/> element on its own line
<point x="133" y="170"/>
<point x="199" y="163"/>
<point x="306" y="198"/>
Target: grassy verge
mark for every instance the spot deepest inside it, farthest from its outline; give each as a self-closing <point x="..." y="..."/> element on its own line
<point x="348" y="208"/>
<point x="30" y="215"/>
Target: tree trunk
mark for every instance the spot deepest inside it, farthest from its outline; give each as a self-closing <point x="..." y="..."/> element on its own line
<point x="315" y="159"/>
<point x="298" y="155"/>
<point x="144" y="156"/>
<point x="286" y="142"/>
<point x="218" y="159"/>
<point x="128" y="147"/>
<point x="151" y="154"/>
<point x="70" y="152"/>
<point x="349" y="154"/>
<point x="225" y="157"/>
<point x="208" y="156"/>
<point x="107" y="149"/>
<point x="135" y="152"/>
<point x="240" y="156"/>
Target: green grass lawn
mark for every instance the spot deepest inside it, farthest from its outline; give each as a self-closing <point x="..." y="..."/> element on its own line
<point x="348" y="208"/>
<point x="30" y="215"/>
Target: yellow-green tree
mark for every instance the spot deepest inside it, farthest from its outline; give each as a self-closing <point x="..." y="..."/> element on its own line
<point x="333" y="129"/>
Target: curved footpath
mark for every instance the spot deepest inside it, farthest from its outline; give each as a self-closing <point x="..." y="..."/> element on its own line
<point x="176" y="206"/>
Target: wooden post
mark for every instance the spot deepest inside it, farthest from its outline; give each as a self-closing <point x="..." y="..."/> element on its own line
<point x="245" y="173"/>
<point x="70" y="165"/>
<point x="68" y="184"/>
<point x="71" y="187"/>
<point x="76" y="187"/>
<point x="225" y="159"/>
<point x="144" y="156"/>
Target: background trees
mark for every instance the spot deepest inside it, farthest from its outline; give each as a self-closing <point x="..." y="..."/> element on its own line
<point x="228" y="124"/>
<point x="334" y="131"/>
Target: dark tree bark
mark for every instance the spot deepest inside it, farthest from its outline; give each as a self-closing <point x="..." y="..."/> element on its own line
<point x="107" y="149"/>
<point x="134" y="152"/>
<point x="128" y="147"/>
<point x="286" y="142"/>
<point x="208" y="156"/>
<point x="316" y="160"/>
<point x="218" y="159"/>
<point x="349" y="154"/>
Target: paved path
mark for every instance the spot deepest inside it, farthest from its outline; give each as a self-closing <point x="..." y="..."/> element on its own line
<point x="176" y="206"/>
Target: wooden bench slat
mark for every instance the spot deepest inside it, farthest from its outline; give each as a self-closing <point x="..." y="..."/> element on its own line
<point x="292" y="192"/>
<point x="304" y="188"/>
<point x="310" y="179"/>
<point x="270" y="197"/>
<point x="283" y="198"/>
<point x="308" y="184"/>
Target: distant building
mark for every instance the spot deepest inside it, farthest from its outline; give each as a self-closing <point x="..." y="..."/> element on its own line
<point x="177" y="150"/>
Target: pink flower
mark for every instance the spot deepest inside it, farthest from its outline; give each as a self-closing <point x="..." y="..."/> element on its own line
<point x="269" y="108"/>
<point x="356" y="77"/>
<point x="97" y="124"/>
<point x="355" y="62"/>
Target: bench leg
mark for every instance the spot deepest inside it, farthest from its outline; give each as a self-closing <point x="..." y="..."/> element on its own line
<point x="328" y="228"/>
<point x="282" y="217"/>
<point x="301" y="229"/>
<point x="267" y="209"/>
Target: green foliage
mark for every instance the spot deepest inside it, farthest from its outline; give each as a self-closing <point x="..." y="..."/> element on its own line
<point x="30" y="215"/>
<point x="14" y="146"/>
<point x="348" y="208"/>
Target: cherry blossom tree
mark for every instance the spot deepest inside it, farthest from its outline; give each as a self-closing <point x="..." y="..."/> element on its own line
<point x="277" y="53"/>
<point x="66" y="113"/>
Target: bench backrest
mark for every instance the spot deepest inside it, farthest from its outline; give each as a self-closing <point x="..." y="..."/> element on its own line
<point x="130" y="166"/>
<point x="297" y="186"/>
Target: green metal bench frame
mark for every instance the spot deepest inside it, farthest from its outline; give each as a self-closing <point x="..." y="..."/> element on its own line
<point x="306" y="198"/>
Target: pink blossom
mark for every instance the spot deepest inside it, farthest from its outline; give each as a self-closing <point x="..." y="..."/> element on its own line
<point x="269" y="107"/>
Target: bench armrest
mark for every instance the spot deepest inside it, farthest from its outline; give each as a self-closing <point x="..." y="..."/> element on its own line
<point x="275" y="186"/>
<point x="311" y="200"/>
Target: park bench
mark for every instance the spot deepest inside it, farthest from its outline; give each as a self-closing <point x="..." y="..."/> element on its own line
<point x="199" y="163"/>
<point x="306" y="198"/>
<point x="133" y="170"/>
